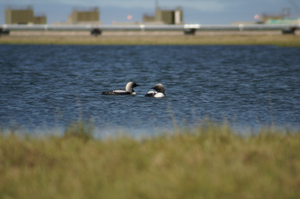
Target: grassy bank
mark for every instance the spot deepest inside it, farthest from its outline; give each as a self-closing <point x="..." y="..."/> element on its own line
<point x="211" y="162"/>
<point x="278" y="40"/>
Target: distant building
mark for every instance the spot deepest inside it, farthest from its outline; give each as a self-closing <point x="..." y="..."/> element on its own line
<point x="88" y="16"/>
<point x="169" y="16"/>
<point x="126" y="23"/>
<point x="23" y="16"/>
<point x="265" y="17"/>
<point x="243" y="22"/>
<point x="271" y="19"/>
<point x="148" y="18"/>
<point x="165" y="16"/>
<point x="283" y="21"/>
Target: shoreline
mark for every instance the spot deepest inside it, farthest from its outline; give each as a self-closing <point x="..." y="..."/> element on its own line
<point x="153" y="38"/>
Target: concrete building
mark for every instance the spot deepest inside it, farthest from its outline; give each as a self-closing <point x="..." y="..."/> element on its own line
<point x="283" y="21"/>
<point x="165" y="16"/>
<point x="243" y="22"/>
<point x="40" y="19"/>
<point x="23" y="16"/>
<point x="265" y="17"/>
<point x="84" y="16"/>
<point x="271" y="19"/>
<point x="148" y="18"/>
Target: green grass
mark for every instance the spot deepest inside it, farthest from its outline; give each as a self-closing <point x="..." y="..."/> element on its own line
<point x="263" y="39"/>
<point x="210" y="161"/>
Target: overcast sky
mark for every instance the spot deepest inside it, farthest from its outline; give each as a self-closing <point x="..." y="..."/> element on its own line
<point x="194" y="11"/>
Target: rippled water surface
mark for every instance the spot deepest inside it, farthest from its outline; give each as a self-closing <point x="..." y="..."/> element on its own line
<point x="49" y="85"/>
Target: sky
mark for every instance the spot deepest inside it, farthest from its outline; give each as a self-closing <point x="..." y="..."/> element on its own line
<point x="194" y="11"/>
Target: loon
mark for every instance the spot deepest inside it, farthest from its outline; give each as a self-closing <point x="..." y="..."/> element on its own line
<point x="159" y="91"/>
<point x="128" y="90"/>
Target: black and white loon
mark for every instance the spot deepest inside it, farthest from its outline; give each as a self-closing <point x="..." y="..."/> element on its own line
<point x="159" y="91"/>
<point x="128" y="90"/>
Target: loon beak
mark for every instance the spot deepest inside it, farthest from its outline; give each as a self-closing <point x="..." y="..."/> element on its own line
<point x="137" y="85"/>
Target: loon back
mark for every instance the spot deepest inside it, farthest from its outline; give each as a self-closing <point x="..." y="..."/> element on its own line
<point x="159" y="91"/>
<point x="150" y="94"/>
<point x="128" y="90"/>
<point x="116" y="92"/>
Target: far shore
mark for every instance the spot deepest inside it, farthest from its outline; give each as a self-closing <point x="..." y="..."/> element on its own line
<point x="152" y="38"/>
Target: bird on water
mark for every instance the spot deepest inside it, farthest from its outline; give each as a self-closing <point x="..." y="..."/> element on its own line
<point x="128" y="90"/>
<point x="159" y="91"/>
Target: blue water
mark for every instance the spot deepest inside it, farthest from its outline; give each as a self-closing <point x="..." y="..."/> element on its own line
<point x="53" y="85"/>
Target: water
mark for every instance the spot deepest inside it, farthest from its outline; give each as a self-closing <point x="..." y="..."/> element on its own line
<point x="52" y="85"/>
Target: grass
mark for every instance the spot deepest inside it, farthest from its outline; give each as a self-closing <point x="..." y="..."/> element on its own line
<point x="210" y="161"/>
<point x="229" y="39"/>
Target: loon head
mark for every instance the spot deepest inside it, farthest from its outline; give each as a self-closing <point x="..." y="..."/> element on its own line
<point x="130" y="85"/>
<point x="159" y="88"/>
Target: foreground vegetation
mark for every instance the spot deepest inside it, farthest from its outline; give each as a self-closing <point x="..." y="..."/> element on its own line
<point x="231" y="39"/>
<point x="210" y="161"/>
